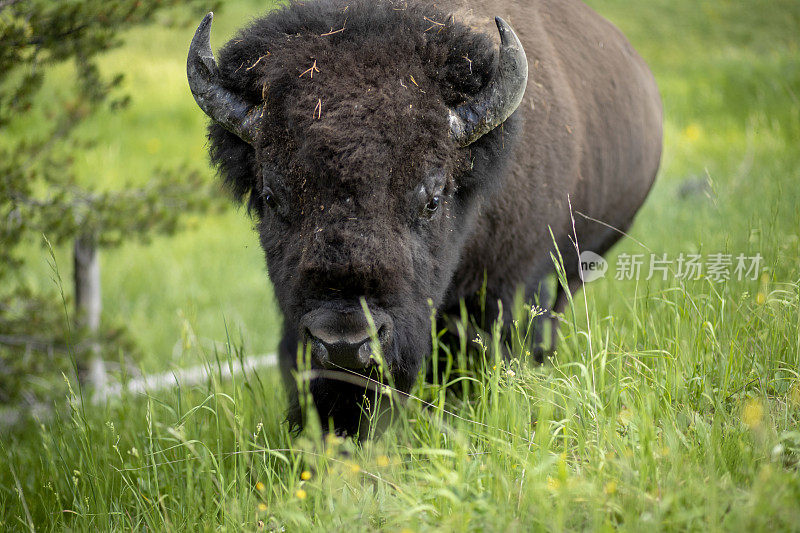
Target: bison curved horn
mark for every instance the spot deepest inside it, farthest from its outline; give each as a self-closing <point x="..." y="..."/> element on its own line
<point x="501" y="96"/>
<point x="224" y="107"/>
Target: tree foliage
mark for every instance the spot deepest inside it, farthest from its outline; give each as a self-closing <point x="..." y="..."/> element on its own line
<point x="39" y="192"/>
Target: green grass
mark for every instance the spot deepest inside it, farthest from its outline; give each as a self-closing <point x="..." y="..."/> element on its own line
<point x="669" y="405"/>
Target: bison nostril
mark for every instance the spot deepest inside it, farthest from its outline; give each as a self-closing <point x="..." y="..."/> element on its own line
<point x="364" y="354"/>
<point x="319" y="352"/>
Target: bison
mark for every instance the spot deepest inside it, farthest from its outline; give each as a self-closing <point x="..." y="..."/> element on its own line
<point x="400" y="156"/>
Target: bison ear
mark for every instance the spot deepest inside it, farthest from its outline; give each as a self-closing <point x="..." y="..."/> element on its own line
<point x="235" y="161"/>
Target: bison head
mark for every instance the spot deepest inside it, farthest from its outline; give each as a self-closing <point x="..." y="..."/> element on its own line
<point x="363" y="139"/>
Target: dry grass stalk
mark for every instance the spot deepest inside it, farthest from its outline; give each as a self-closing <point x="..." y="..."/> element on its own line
<point x="310" y="71"/>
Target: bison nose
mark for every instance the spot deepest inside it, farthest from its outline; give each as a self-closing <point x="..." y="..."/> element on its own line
<point x="329" y="350"/>
<point x="342" y="339"/>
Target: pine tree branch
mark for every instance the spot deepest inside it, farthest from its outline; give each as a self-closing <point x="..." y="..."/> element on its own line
<point x="6" y="3"/>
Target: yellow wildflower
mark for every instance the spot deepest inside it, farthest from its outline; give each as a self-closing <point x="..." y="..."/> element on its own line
<point x="692" y="132"/>
<point x="753" y="413"/>
<point x="153" y="145"/>
<point x="794" y="394"/>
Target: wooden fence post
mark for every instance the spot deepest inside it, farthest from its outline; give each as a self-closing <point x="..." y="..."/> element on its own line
<point x="88" y="303"/>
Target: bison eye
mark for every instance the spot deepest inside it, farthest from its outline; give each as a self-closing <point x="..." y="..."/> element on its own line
<point x="433" y="205"/>
<point x="269" y="198"/>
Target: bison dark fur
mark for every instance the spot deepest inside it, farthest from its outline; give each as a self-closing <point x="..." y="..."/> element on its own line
<point x="353" y="144"/>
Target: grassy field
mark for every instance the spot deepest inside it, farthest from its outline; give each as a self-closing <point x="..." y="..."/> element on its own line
<point x="670" y="405"/>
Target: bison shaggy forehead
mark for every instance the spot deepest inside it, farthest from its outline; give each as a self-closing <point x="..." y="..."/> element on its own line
<point x="364" y="107"/>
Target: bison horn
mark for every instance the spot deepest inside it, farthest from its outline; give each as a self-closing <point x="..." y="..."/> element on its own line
<point x="501" y="96"/>
<point x="224" y="107"/>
